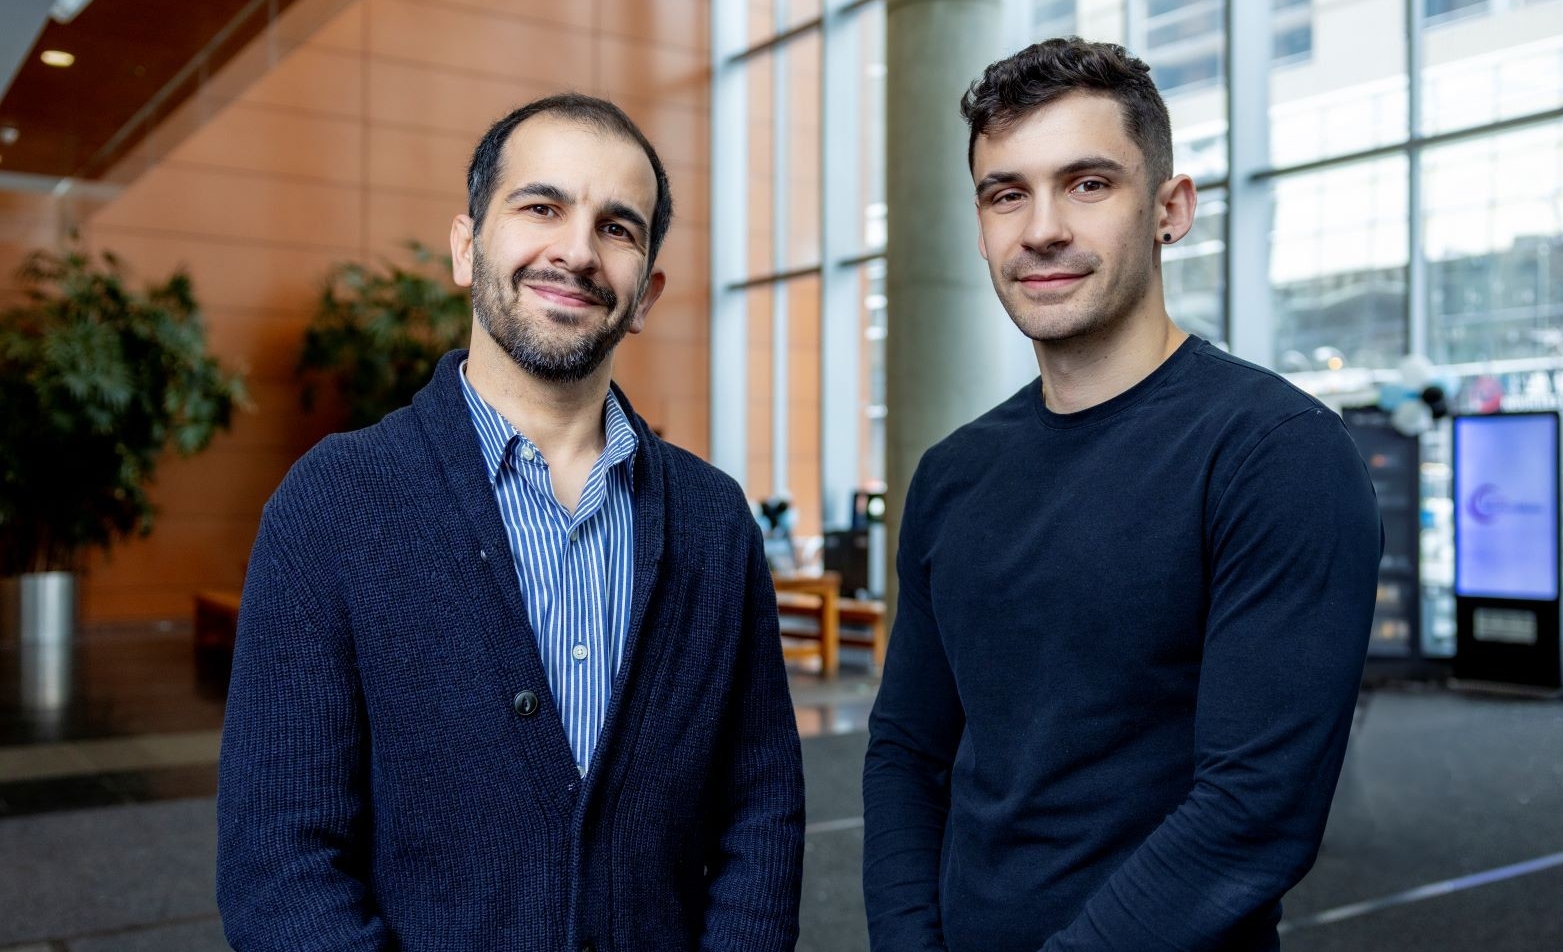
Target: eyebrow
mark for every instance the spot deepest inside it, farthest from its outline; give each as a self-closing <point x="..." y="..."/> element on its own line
<point x="1089" y="163"/>
<point x="556" y="194"/>
<point x="621" y="210"/>
<point x="1092" y="163"/>
<point x="998" y="178"/>
<point x="539" y="190"/>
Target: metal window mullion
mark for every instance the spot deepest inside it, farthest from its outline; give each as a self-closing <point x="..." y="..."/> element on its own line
<point x="1250" y="317"/>
<point x="729" y="364"/>
<point x="841" y="227"/>
<point x="1418" y="322"/>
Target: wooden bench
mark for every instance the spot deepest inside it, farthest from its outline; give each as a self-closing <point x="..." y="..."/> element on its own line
<point x="838" y="621"/>
<point x="815" y="597"/>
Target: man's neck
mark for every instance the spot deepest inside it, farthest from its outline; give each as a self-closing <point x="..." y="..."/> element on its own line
<point x="563" y="420"/>
<point x="1082" y="372"/>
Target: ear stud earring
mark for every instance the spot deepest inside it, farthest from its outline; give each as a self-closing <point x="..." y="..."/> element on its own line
<point x="1166" y="236"/>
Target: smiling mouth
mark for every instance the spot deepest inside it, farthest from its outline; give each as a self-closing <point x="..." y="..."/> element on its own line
<point x="1050" y="282"/>
<point x="563" y="298"/>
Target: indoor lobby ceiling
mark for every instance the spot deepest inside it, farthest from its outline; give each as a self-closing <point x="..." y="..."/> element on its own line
<point x="134" y="61"/>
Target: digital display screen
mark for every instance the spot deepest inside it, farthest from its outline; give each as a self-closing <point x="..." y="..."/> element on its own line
<point x="1506" y="506"/>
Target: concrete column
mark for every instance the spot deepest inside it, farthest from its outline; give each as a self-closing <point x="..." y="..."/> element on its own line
<point x="951" y="351"/>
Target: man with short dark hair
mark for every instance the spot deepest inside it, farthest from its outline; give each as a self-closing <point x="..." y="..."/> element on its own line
<point x="1134" y="597"/>
<point x="508" y="674"/>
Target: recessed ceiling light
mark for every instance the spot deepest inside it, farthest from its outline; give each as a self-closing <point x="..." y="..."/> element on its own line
<point x="9" y="135"/>
<point x="57" y="57"/>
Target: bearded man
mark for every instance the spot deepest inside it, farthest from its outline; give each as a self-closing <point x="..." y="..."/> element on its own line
<point x="507" y="674"/>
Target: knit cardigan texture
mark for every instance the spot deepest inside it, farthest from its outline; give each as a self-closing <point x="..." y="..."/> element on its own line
<point x="394" y="771"/>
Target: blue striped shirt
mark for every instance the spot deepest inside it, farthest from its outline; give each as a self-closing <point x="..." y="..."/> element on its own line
<point x="575" y="569"/>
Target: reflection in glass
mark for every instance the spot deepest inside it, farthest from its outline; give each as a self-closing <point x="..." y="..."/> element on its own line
<point x="760" y="412"/>
<point x="803" y="403"/>
<point x="1184" y="41"/>
<point x="1349" y="93"/>
<point x="1490" y="61"/>
<point x="1338" y="266"/>
<point x="767" y="18"/>
<point x="759" y="77"/>
<point x="1053" y="18"/>
<point x="871" y="388"/>
<point x="871" y="121"/>
<point x="800" y="198"/>
<point x="1493" y="238"/>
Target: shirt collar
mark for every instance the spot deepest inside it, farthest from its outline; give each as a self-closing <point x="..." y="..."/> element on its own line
<point x="498" y="439"/>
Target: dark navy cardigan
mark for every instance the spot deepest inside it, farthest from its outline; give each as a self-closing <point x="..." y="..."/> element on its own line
<point x="387" y="781"/>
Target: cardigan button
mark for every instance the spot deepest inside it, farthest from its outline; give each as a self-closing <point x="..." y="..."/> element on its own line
<point x="526" y="703"/>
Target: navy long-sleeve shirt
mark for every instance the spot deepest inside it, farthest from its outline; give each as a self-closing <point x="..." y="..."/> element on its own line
<point x="1125" y="658"/>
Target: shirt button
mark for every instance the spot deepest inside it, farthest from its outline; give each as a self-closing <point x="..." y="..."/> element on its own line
<point x="526" y="703"/>
<point x="578" y="652"/>
<point x="582" y="769"/>
<point x="527" y="453"/>
<point x="574" y="534"/>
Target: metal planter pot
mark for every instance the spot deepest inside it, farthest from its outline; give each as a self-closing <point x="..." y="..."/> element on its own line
<point x="38" y="613"/>
<point x="39" y="607"/>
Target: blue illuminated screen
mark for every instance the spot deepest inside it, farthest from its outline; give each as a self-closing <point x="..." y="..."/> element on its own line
<point x="1506" y="506"/>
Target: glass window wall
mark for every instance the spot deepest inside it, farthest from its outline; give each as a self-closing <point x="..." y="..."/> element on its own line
<point x="1408" y="187"/>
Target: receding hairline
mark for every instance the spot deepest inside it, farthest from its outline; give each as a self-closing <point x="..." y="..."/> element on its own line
<point x="601" y="127"/>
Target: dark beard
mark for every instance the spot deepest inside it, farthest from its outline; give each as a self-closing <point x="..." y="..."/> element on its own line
<point x="568" y="363"/>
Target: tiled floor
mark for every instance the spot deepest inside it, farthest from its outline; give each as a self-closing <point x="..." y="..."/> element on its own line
<point x="1446" y="835"/>
<point x="132" y="716"/>
<point x="108" y="759"/>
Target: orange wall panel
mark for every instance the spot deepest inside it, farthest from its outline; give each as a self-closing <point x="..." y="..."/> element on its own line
<point x="681" y="23"/>
<point x="418" y="96"/>
<point x="344" y="32"/>
<point x="318" y="79"/>
<point x="274" y="141"/>
<point x="226" y="272"/>
<point x="203" y="202"/>
<point x="466" y="40"/>
<point x="352" y="143"/>
<point x="420" y="160"/>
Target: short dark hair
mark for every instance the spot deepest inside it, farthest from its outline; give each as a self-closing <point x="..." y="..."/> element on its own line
<point x="483" y="173"/>
<point x="1044" y="72"/>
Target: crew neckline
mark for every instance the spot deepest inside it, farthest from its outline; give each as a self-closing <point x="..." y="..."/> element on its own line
<point x="1123" y="401"/>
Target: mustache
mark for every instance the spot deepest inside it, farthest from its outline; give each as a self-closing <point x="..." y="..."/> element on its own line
<point x="600" y="293"/>
<point x="1029" y="262"/>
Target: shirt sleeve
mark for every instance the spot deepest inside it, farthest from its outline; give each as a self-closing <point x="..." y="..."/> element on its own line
<point x="914" y="731"/>
<point x="291" y="814"/>
<point x="755" y="859"/>
<point x="1294" y="545"/>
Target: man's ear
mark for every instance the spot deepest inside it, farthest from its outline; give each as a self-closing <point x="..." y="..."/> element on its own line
<point x="655" y="282"/>
<point x="982" y="244"/>
<point x="461" y="237"/>
<point x="1175" y="202"/>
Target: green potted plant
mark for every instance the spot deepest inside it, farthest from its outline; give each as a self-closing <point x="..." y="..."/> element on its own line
<point x="377" y="334"/>
<point x="97" y="380"/>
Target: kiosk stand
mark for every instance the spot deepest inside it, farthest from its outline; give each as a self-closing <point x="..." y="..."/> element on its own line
<point x="1393" y="460"/>
<point x="1506" y="582"/>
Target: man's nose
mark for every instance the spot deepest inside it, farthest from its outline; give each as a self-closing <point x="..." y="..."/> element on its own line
<point x="574" y="247"/>
<point x="1047" y="227"/>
